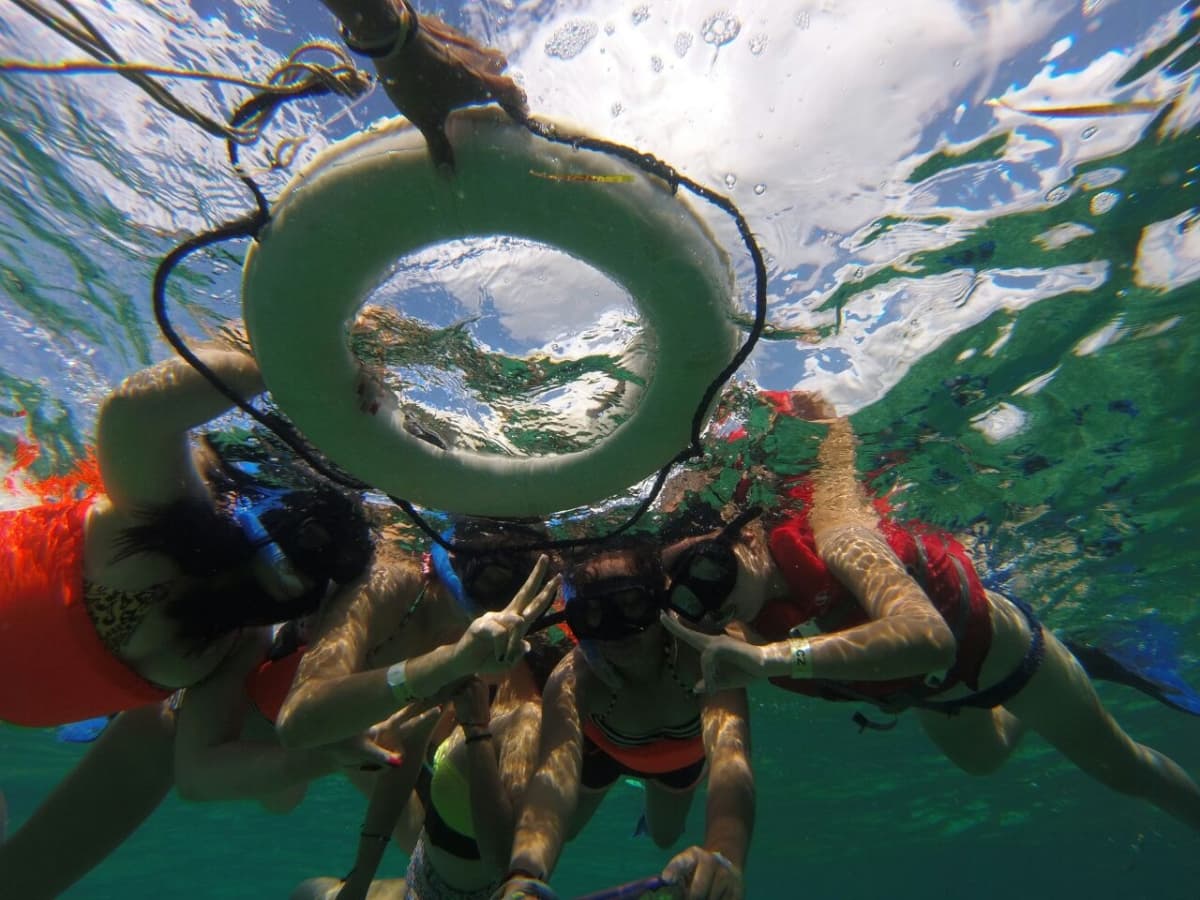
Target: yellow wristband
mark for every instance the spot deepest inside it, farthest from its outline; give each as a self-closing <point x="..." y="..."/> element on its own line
<point x="800" y="649"/>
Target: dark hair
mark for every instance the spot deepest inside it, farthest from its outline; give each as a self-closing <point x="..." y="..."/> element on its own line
<point x="643" y="550"/>
<point x="322" y="530"/>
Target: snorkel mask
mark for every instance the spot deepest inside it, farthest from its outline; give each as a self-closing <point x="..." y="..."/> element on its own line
<point x="704" y="575"/>
<point x="484" y="579"/>
<point x="611" y="609"/>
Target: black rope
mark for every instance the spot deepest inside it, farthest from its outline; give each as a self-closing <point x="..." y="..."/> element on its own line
<point x="263" y="106"/>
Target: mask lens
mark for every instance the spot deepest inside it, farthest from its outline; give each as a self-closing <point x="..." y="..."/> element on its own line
<point x="492" y="581"/>
<point x="615" y="611"/>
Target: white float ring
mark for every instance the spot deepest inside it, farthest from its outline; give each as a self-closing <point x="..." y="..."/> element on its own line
<point x="344" y="221"/>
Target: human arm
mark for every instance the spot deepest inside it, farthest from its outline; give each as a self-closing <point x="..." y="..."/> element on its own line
<point x="714" y="870"/>
<point x="392" y="791"/>
<point x="334" y="699"/>
<point x="212" y="759"/>
<point x="499" y="767"/>
<point x="142" y="441"/>
<point x="427" y="67"/>
<point x="553" y="791"/>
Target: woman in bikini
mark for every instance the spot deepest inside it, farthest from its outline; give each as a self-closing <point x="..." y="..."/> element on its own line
<point x="621" y="704"/>
<point x="112" y="602"/>
<point x="841" y="602"/>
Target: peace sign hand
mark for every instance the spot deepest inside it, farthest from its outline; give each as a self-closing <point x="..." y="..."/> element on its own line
<point x="496" y="640"/>
<point x="725" y="662"/>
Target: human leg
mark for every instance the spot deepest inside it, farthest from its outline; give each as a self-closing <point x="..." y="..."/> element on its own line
<point x="1060" y="704"/>
<point x="115" y="787"/>
<point x="666" y="811"/>
<point x="978" y="741"/>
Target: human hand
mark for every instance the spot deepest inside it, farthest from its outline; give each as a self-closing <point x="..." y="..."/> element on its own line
<point x="407" y="731"/>
<point x="725" y="662"/>
<point x="362" y="753"/>
<point x="437" y="69"/>
<point x="523" y="887"/>
<point x="701" y="874"/>
<point x="496" y="640"/>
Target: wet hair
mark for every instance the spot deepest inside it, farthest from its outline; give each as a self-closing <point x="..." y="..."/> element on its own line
<point x="643" y="550"/>
<point x="322" y="530"/>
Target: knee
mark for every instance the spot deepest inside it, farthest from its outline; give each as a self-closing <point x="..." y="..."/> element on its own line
<point x="665" y="838"/>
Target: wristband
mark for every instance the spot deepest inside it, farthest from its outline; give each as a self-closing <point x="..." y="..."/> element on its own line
<point x="478" y="736"/>
<point x="800" y="653"/>
<point x="397" y="680"/>
<point x="373" y="836"/>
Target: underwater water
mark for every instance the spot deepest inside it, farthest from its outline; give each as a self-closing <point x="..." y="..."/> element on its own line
<point x="982" y="229"/>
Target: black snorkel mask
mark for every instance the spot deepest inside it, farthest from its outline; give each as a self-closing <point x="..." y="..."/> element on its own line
<point x="608" y="610"/>
<point x="703" y="576"/>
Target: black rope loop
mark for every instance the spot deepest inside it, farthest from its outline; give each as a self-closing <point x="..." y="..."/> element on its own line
<point x="264" y="105"/>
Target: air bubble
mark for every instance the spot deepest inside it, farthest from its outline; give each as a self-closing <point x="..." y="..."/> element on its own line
<point x="610" y="29"/>
<point x="760" y="189"/>
<point x="730" y="180"/>
<point x="1089" y="133"/>
<point x="683" y="43"/>
<point x="758" y="44"/>
<point x="1103" y="202"/>
<point x="617" y="109"/>
<point x="656" y="63"/>
<point x="1057" y="195"/>
<point x="571" y="39"/>
<point x="803" y="20"/>
<point x="720" y="28"/>
<point x="640" y="15"/>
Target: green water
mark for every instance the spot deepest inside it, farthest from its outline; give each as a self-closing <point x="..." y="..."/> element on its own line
<point x="1034" y="394"/>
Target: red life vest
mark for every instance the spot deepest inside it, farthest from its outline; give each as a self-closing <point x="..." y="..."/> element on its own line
<point x="937" y="562"/>
<point x="54" y="668"/>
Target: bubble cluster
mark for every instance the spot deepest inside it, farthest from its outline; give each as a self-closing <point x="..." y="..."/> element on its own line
<point x="1058" y="194"/>
<point x="720" y="28"/>
<point x="758" y="44"/>
<point x="617" y="109"/>
<point x="803" y="19"/>
<point x="571" y="39"/>
<point x="683" y="43"/>
<point x="1103" y="202"/>
<point x="640" y="15"/>
<point x="656" y="63"/>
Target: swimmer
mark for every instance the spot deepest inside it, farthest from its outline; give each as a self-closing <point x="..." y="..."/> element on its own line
<point x="470" y="794"/>
<point x="113" y="602"/>
<point x="427" y="67"/>
<point x="621" y="705"/>
<point x="409" y="632"/>
<point x="841" y="602"/>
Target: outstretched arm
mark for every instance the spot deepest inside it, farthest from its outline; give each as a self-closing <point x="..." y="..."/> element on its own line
<point x="553" y="791"/>
<point x="142" y="431"/>
<point x="715" y="869"/>
<point x="334" y="699"/>
<point x="427" y="67"/>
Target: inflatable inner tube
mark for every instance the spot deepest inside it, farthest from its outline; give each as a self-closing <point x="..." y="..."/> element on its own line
<point x="344" y="221"/>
